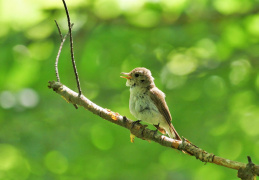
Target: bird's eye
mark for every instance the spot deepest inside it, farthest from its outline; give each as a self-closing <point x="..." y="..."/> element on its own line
<point x="142" y="81"/>
<point x="136" y="75"/>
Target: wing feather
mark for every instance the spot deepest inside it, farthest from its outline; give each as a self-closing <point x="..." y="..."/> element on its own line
<point x="161" y="105"/>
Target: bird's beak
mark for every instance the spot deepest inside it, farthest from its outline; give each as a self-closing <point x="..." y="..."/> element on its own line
<point x="128" y="76"/>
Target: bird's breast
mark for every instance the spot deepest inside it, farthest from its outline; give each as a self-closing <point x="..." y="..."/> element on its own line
<point x="142" y="107"/>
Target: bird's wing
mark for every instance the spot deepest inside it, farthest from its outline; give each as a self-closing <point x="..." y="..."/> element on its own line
<point x="163" y="108"/>
<point x="160" y="103"/>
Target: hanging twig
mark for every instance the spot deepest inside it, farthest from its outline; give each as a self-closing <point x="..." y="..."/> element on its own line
<point x="63" y="39"/>
<point x="59" y="31"/>
<point x="59" y="52"/>
<point x="71" y="49"/>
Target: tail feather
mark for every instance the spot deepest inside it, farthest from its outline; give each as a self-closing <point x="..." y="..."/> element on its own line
<point x="173" y="133"/>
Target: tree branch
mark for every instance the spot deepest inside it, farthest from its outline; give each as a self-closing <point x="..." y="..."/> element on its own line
<point x="144" y="133"/>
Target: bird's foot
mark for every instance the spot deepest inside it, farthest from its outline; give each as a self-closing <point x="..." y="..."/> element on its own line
<point x="155" y="133"/>
<point x="143" y="127"/>
<point x="134" y="123"/>
<point x="159" y="128"/>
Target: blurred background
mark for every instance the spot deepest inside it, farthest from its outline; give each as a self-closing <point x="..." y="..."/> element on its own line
<point x="203" y="55"/>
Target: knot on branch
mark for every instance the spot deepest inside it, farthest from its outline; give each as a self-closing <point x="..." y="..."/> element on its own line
<point x="54" y="85"/>
<point x="247" y="173"/>
<point x="193" y="150"/>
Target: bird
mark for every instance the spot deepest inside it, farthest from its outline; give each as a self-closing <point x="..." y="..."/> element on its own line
<point x="147" y="103"/>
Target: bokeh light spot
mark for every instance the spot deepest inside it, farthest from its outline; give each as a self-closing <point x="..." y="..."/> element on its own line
<point x="252" y="25"/>
<point x="13" y="165"/>
<point x="215" y="86"/>
<point x="249" y="120"/>
<point x="102" y="137"/>
<point x="7" y="99"/>
<point x="24" y="70"/>
<point x="131" y="6"/>
<point x="170" y="80"/>
<point x="173" y="6"/>
<point x="36" y="50"/>
<point x="181" y="64"/>
<point x="241" y="100"/>
<point x="145" y="18"/>
<point x="230" y="6"/>
<point x="230" y="148"/>
<point x="56" y="162"/>
<point x="224" y="50"/>
<point x="8" y="156"/>
<point x="21" y="50"/>
<point x="28" y="98"/>
<point x="206" y="48"/>
<point x="23" y="9"/>
<point x="240" y="70"/>
<point x="41" y="31"/>
<point x="234" y="30"/>
<point x="106" y="9"/>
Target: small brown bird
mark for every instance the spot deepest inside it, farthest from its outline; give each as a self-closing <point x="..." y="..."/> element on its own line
<point x="147" y="102"/>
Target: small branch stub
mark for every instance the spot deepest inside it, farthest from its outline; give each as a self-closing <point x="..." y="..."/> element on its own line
<point x="247" y="173"/>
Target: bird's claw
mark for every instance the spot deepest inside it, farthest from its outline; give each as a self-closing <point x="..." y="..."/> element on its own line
<point x="144" y="127"/>
<point x="159" y="128"/>
<point x="155" y="133"/>
<point x="134" y="123"/>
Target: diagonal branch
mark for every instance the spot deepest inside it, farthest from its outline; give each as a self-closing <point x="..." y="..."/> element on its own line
<point x="144" y="133"/>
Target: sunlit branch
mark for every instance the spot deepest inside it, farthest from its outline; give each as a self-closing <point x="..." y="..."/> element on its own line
<point x="144" y="133"/>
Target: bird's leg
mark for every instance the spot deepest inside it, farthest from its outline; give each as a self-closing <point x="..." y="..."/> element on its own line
<point x="159" y="128"/>
<point x="138" y="122"/>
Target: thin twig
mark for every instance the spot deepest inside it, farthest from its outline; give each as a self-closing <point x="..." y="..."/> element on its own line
<point x="63" y="39"/>
<point x="71" y="49"/>
<point x="59" y="51"/>
<point x="59" y="31"/>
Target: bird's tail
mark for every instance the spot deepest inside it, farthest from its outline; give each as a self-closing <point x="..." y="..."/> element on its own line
<point x="173" y="133"/>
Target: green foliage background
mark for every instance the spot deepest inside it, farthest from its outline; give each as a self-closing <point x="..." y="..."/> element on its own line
<point x="203" y="55"/>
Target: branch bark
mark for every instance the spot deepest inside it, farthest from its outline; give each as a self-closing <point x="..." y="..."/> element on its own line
<point x="144" y="133"/>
